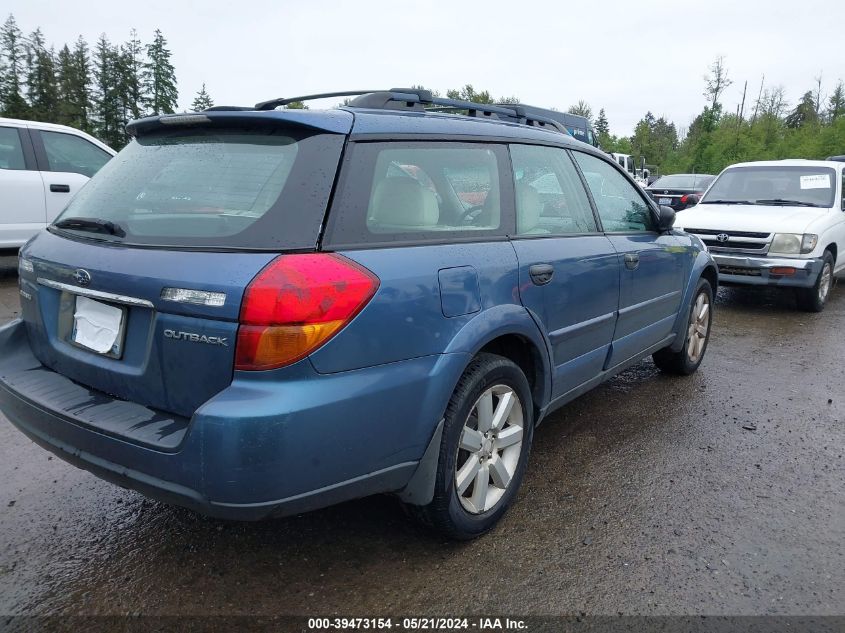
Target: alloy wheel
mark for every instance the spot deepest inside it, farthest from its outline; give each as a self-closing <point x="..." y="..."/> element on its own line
<point x="698" y="327"/>
<point x="825" y="282"/>
<point x="489" y="449"/>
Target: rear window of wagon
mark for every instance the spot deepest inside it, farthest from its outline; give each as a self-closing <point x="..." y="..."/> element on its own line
<point x="214" y="188"/>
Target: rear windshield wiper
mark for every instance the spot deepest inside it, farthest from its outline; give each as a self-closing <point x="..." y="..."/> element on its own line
<point x="91" y="224"/>
<point x="727" y="202"/>
<point x="794" y="203"/>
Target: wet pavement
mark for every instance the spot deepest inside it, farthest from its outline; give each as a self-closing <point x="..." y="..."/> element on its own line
<point x="649" y="495"/>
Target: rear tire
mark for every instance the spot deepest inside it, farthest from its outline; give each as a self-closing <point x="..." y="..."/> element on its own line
<point x="814" y="299"/>
<point x="487" y="433"/>
<point x="687" y="360"/>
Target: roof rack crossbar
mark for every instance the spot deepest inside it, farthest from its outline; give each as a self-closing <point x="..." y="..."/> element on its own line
<point x="419" y="99"/>
<point x="272" y="104"/>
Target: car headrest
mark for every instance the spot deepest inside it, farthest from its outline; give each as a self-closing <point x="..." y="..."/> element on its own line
<point x="403" y="201"/>
<point x="528" y="208"/>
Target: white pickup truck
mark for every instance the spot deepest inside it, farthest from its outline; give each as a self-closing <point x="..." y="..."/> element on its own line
<point x="777" y="223"/>
<point x="41" y="167"/>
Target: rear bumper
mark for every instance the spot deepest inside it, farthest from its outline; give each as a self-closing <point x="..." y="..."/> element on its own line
<point x="758" y="271"/>
<point x="269" y="445"/>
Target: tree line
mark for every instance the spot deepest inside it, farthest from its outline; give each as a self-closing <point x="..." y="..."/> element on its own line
<point x="98" y="90"/>
<point x="761" y="127"/>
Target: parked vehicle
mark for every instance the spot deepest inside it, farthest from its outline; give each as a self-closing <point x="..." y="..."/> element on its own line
<point x="41" y="167"/>
<point x="626" y="161"/>
<point x="578" y="126"/>
<point x="679" y="191"/>
<point x="777" y="223"/>
<point x="222" y="321"/>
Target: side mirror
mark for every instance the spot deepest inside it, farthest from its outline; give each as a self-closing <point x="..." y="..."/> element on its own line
<point x="692" y="199"/>
<point x="665" y="218"/>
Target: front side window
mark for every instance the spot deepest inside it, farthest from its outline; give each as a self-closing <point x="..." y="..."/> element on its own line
<point x="418" y="192"/>
<point x="550" y="198"/>
<point x="72" y="154"/>
<point x="774" y="185"/>
<point x="620" y="205"/>
<point x="11" y="152"/>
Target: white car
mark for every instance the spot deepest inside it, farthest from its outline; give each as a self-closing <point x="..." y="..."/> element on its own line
<point x="777" y="223"/>
<point x="41" y="167"/>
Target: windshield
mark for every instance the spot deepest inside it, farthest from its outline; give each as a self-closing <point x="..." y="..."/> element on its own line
<point x="258" y="188"/>
<point x="697" y="182"/>
<point x="776" y="185"/>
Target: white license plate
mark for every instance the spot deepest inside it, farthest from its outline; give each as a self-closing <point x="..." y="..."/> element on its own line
<point x="98" y="326"/>
<point x="664" y="201"/>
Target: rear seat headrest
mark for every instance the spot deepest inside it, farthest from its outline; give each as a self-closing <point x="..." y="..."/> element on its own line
<point x="403" y="201"/>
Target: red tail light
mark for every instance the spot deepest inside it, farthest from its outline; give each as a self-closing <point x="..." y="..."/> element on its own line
<point x="684" y="198"/>
<point x="296" y="304"/>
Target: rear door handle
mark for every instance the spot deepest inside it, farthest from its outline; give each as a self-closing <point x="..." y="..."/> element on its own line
<point x="632" y="261"/>
<point x="60" y="188"/>
<point x="541" y="274"/>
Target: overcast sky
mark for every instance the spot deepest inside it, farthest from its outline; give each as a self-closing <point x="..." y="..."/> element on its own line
<point x="625" y="56"/>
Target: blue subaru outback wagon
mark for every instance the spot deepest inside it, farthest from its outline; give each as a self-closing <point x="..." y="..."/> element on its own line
<point x="255" y="312"/>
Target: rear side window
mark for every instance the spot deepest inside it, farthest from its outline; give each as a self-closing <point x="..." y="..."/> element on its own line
<point x="260" y="188"/>
<point x="69" y="153"/>
<point x="11" y="152"/>
<point x="550" y="198"/>
<point x="621" y="206"/>
<point x="418" y="192"/>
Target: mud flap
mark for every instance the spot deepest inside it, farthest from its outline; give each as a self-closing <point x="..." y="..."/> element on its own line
<point x="420" y="490"/>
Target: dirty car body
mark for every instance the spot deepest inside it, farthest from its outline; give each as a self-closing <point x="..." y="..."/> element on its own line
<point x="244" y="314"/>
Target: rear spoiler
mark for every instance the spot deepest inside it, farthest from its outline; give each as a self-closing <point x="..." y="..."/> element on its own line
<point x="330" y="121"/>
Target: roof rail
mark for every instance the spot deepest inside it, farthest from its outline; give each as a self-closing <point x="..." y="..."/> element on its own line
<point x="424" y="100"/>
<point x="272" y="104"/>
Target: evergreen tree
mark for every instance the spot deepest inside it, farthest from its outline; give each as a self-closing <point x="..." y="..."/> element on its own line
<point x="296" y="105"/>
<point x="73" y="86"/>
<point x="160" y="77"/>
<point x="108" y="103"/>
<point x="804" y="113"/>
<point x="602" y="126"/>
<point x="41" y="79"/>
<point x="202" y="101"/>
<point x="12" y="80"/>
<point x="836" y="104"/>
<point x="133" y="94"/>
<point x="81" y="84"/>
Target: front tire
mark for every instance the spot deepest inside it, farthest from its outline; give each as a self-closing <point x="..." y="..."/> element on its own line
<point x="487" y="433"/>
<point x="814" y="299"/>
<point x="687" y="360"/>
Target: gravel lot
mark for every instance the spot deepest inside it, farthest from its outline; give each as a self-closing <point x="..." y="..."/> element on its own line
<point x="649" y="495"/>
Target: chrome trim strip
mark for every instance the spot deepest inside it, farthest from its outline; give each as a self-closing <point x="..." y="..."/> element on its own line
<point x="648" y="302"/>
<point x="567" y="331"/>
<point x="95" y="294"/>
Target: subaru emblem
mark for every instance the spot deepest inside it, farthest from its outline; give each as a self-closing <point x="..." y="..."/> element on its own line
<point x="723" y="237"/>
<point x="82" y="276"/>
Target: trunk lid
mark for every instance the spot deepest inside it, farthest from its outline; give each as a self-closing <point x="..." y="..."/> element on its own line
<point x="173" y="356"/>
<point x="136" y="290"/>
